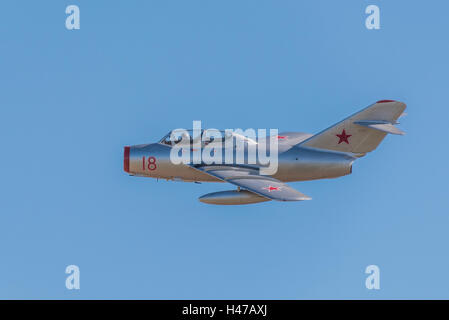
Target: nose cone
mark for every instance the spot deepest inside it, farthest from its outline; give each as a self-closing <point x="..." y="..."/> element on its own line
<point x="126" y="159"/>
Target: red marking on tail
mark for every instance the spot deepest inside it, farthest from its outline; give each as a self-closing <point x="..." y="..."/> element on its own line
<point x="384" y="101"/>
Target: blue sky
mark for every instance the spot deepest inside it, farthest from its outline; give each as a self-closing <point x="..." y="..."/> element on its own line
<point x="70" y="101"/>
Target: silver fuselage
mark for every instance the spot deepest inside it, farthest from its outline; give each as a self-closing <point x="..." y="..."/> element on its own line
<point x="294" y="164"/>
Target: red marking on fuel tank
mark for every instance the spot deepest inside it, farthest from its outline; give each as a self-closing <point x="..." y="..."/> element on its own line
<point x="126" y="160"/>
<point x="271" y="188"/>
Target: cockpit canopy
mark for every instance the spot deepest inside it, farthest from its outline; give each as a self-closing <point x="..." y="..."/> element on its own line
<point x="207" y="136"/>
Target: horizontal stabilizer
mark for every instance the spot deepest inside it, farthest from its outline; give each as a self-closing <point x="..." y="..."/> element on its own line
<point x="380" y="125"/>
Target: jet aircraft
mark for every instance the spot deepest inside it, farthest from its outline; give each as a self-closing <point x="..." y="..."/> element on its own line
<point x="301" y="157"/>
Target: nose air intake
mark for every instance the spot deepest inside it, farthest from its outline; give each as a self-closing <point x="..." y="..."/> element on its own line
<point x="126" y="159"/>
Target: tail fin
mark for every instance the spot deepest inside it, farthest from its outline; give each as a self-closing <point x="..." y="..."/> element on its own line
<point x="362" y="132"/>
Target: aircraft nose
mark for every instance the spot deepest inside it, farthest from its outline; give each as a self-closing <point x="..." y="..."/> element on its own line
<point x="126" y="159"/>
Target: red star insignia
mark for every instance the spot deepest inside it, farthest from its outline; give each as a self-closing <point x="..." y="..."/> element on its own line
<point x="271" y="188"/>
<point x="343" y="137"/>
<point x="282" y="137"/>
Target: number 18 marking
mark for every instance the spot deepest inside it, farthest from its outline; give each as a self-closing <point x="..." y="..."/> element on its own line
<point x="151" y="165"/>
